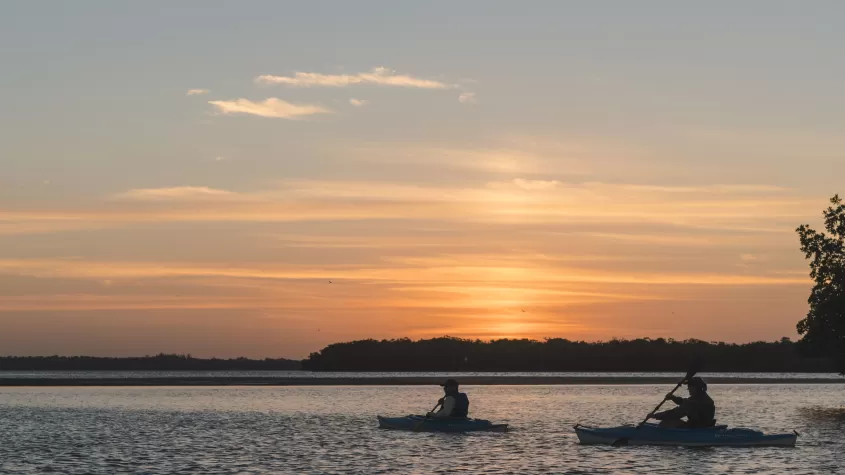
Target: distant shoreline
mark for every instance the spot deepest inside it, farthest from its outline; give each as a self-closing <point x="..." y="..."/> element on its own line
<point x="393" y="381"/>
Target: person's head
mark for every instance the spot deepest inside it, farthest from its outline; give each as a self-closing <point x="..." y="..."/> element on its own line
<point x="696" y="385"/>
<point x="450" y="386"/>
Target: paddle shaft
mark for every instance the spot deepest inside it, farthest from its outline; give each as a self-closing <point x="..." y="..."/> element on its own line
<point x="689" y="375"/>
<point x="427" y="416"/>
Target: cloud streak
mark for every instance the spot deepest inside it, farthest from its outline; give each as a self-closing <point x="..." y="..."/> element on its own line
<point x="189" y="193"/>
<point x="379" y="76"/>
<point x="467" y="98"/>
<point x="197" y="92"/>
<point x="523" y="201"/>
<point x="491" y="274"/>
<point x="271" y="108"/>
<point x="581" y="258"/>
<point x="535" y="184"/>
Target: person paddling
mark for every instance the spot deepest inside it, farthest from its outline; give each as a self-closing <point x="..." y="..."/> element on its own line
<point x="699" y="408"/>
<point x="454" y="404"/>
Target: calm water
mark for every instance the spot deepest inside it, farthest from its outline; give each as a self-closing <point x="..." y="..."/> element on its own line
<point x="333" y="430"/>
<point x="335" y="374"/>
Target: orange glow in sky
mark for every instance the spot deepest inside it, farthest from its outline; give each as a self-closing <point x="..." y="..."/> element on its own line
<point x="265" y="191"/>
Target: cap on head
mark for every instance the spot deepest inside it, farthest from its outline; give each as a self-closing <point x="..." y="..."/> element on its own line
<point x="450" y="383"/>
<point x="697" y="382"/>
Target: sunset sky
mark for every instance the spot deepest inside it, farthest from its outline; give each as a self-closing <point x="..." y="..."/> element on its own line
<point x="265" y="178"/>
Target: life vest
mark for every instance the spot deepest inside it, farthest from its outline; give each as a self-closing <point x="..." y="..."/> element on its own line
<point x="461" y="408"/>
<point x="702" y="411"/>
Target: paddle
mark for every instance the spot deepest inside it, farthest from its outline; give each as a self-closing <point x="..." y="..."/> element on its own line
<point x="420" y="423"/>
<point x="693" y="369"/>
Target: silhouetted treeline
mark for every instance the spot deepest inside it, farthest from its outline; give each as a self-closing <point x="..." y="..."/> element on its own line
<point x="556" y="354"/>
<point x="161" y="362"/>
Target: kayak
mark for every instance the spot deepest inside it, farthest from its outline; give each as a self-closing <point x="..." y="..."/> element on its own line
<point x="652" y="434"/>
<point x="421" y="424"/>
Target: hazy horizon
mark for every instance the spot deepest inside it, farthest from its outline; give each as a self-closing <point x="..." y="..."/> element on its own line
<point x="263" y="179"/>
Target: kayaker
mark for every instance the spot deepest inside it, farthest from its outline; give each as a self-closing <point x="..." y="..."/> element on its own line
<point x="699" y="409"/>
<point x="453" y="404"/>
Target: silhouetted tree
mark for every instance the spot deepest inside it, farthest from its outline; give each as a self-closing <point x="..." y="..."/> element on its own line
<point x="823" y="329"/>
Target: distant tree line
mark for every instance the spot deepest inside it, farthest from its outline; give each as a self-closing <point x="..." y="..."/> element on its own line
<point x="557" y="354"/>
<point x="160" y="362"/>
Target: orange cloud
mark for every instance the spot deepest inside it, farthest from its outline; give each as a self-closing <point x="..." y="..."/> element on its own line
<point x="419" y="270"/>
<point x="518" y="202"/>
<point x="272" y="108"/>
<point x="379" y="76"/>
<point x="467" y="98"/>
<point x="177" y="193"/>
<point x="522" y="255"/>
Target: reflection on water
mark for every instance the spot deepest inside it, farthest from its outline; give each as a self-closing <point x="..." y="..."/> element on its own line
<point x="834" y="416"/>
<point x="333" y="430"/>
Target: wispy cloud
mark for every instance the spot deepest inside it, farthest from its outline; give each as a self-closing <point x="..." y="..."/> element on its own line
<point x="379" y="76"/>
<point x="535" y="184"/>
<point x="522" y="201"/>
<point x="358" y="102"/>
<point x="488" y="160"/>
<point x="570" y="254"/>
<point x="46" y="226"/>
<point x="197" y="92"/>
<point x="491" y="274"/>
<point x="717" y="188"/>
<point x="176" y="193"/>
<point x="467" y="98"/>
<point x="504" y="155"/>
<point x="272" y="107"/>
<point x="747" y="257"/>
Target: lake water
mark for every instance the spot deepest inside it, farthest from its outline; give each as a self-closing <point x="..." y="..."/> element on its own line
<point x="324" y="430"/>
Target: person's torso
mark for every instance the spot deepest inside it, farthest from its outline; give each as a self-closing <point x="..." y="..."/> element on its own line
<point x="461" y="408"/>
<point x="702" y="411"/>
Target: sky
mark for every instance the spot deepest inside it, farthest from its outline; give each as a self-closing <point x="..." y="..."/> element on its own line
<point x="265" y="178"/>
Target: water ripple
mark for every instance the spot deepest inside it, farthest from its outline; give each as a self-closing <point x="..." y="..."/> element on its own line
<point x="332" y="430"/>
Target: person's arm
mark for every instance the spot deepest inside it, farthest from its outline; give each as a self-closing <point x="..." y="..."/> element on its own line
<point x="676" y="413"/>
<point x="676" y="399"/>
<point x="446" y="408"/>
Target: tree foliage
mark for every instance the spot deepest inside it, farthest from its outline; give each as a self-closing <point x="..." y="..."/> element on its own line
<point x="823" y="329"/>
<point x="160" y="362"/>
<point x="557" y="354"/>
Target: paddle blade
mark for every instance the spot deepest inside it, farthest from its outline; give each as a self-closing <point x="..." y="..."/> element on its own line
<point x="694" y="368"/>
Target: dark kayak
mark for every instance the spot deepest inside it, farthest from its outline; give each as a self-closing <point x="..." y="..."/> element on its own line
<point x="421" y="424"/>
<point x="651" y="434"/>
